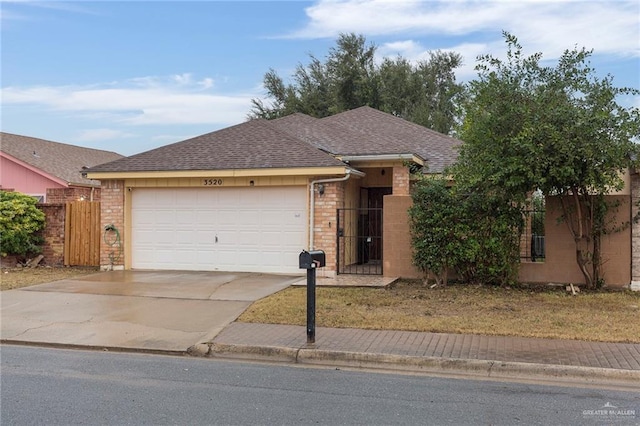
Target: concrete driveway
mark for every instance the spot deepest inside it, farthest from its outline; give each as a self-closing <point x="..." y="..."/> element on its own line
<point x="146" y="310"/>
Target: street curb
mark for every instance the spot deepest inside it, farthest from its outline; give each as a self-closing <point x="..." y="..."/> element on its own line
<point x="121" y="349"/>
<point x="482" y="368"/>
<point x="250" y="352"/>
<point x="491" y="369"/>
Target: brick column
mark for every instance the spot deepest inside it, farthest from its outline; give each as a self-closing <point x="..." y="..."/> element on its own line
<point x="325" y="223"/>
<point x="112" y="213"/>
<point x="53" y="233"/>
<point x="400" y="180"/>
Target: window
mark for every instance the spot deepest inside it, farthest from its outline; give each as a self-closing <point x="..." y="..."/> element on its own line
<point x="532" y="244"/>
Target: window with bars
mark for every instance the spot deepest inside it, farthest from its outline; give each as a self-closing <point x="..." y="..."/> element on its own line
<point x="532" y="239"/>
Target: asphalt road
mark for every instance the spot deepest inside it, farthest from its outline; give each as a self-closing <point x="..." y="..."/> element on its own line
<point x="56" y="387"/>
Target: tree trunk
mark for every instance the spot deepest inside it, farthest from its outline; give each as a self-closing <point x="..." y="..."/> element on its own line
<point x="582" y="259"/>
<point x="578" y="224"/>
<point x="596" y="261"/>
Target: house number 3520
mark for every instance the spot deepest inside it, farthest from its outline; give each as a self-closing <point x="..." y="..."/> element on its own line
<point x="212" y="182"/>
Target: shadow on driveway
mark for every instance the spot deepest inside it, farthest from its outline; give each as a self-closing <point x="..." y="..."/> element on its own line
<point x="146" y="310"/>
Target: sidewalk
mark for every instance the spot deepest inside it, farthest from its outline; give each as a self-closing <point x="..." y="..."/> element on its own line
<point x="482" y="356"/>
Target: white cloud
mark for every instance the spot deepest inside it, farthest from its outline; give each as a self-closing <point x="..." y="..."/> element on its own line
<point x="73" y="6"/>
<point x="609" y="27"/>
<point x="206" y="83"/>
<point x="178" y="99"/>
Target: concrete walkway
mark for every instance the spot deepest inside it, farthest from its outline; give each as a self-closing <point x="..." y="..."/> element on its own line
<point x="182" y="312"/>
<point x="484" y="356"/>
<point x="153" y="311"/>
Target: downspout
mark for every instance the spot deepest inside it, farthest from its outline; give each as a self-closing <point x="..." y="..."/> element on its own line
<point x="312" y="210"/>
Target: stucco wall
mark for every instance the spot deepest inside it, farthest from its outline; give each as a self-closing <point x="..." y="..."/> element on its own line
<point x="635" y="231"/>
<point x="560" y="263"/>
<point x="559" y="267"/>
<point x="397" y="254"/>
<point x="23" y="180"/>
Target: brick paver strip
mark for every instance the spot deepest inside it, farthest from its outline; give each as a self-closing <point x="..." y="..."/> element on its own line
<point x="624" y="356"/>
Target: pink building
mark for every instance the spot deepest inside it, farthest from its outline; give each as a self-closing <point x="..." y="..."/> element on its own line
<point x="34" y="166"/>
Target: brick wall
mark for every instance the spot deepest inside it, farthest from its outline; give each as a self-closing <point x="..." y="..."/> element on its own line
<point x="74" y="193"/>
<point x="400" y="180"/>
<point x="325" y="222"/>
<point x="53" y="233"/>
<point x="112" y="213"/>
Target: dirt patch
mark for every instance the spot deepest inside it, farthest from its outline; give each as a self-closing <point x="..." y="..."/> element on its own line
<point x="13" y="278"/>
<point x="409" y="305"/>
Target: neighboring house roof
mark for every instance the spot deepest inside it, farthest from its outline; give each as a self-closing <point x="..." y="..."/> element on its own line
<point x="62" y="161"/>
<point x="296" y="141"/>
<point x="255" y="144"/>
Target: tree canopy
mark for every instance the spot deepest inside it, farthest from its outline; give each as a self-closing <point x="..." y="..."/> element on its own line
<point x="559" y="129"/>
<point x="425" y="93"/>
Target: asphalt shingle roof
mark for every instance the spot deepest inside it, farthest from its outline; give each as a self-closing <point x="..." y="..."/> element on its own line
<point x="388" y="132"/>
<point x="57" y="159"/>
<point x="253" y="144"/>
<point x="297" y="140"/>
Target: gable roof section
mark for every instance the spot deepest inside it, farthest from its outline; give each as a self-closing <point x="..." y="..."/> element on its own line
<point x="255" y="144"/>
<point x="331" y="138"/>
<point x="61" y="161"/>
<point x="296" y="141"/>
<point x="386" y="131"/>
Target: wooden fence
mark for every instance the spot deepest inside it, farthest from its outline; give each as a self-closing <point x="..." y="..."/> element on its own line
<point x="82" y="233"/>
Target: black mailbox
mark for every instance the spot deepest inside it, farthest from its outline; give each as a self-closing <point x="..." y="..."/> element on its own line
<point x="312" y="259"/>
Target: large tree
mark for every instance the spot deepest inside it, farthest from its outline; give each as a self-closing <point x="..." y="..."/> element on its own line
<point x="559" y="129"/>
<point x="425" y="93"/>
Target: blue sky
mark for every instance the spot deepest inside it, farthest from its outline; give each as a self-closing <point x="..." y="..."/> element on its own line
<point x="131" y="76"/>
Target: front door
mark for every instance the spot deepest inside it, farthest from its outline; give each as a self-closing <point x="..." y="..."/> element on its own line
<point x="360" y="235"/>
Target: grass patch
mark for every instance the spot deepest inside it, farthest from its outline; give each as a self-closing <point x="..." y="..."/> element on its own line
<point x="13" y="278"/>
<point x="605" y="316"/>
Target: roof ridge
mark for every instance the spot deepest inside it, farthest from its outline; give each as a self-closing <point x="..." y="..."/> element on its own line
<point x="297" y="138"/>
<point x="389" y="115"/>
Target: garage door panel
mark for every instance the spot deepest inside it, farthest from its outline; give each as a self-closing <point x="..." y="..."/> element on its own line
<point x="186" y="237"/>
<point x="165" y="217"/>
<point x="245" y="239"/>
<point x="185" y="217"/>
<point x="257" y="229"/>
<point x="204" y="257"/>
<point x="205" y="218"/>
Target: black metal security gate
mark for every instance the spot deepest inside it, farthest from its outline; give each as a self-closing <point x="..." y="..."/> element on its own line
<point x="360" y="241"/>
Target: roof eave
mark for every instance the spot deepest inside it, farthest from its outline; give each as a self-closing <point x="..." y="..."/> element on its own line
<point x="35" y="169"/>
<point x="383" y="157"/>
<point x="294" y="171"/>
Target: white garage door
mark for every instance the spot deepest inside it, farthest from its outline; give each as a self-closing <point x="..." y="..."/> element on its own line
<point x="219" y="229"/>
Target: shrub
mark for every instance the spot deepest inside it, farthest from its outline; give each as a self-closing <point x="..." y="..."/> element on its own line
<point x="20" y="221"/>
<point x="475" y="235"/>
